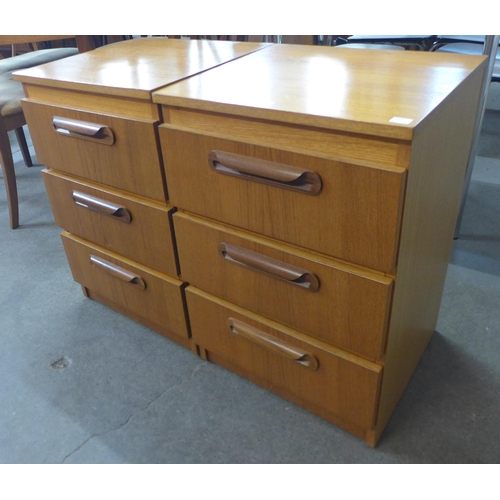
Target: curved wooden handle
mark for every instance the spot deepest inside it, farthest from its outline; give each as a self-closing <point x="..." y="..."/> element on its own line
<point x="102" y="206"/>
<point x="272" y="267"/>
<point x="83" y="130"/>
<point x="273" y="344"/>
<point x="266" y="172"/>
<point x="118" y="272"/>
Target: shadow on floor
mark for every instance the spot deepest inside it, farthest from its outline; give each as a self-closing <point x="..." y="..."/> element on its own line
<point x="478" y="244"/>
<point x="489" y="141"/>
<point x="448" y="413"/>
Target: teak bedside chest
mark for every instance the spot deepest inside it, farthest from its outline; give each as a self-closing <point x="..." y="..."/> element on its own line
<point x="95" y="127"/>
<point x="312" y="196"/>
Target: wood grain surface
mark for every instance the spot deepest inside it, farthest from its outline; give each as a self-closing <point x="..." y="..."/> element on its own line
<point x="132" y="163"/>
<point x="347" y="90"/>
<point x="344" y="386"/>
<point x="161" y="302"/>
<point x="355" y="217"/>
<point x="147" y="238"/>
<point x="349" y="310"/>
<point x="134" y="68"/>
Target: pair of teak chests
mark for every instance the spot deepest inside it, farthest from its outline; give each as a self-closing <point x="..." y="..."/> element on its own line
<point x="284" y="211"/>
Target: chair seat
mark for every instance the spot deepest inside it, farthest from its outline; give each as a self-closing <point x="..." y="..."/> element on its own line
<point x="390" y="38"/>
<point x="11" y="93"/>
<point x="12" y="117"/>
<point x="35" y="58"/>
<point x="460" y="39"/>
<point x="377" y="46"/>
<point x="474" y="49"/>
<point x="422" y="41"/>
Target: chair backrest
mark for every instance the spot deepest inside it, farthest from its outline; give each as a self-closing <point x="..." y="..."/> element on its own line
<point x="83" y="42"/>
<point x="13" y="39"/>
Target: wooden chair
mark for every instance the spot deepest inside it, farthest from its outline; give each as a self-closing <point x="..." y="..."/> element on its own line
<point x="376" y="46"/>
<point x="416" y="42"/>
<point x="11" y="93"/>
<point x="467" y="44"/>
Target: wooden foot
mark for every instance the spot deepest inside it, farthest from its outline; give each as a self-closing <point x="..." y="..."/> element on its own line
<point x="203" y="353"/>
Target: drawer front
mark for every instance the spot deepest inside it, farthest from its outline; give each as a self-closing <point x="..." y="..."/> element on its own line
<point x="118" y="152"/>
<point x="309" y="374"/>
<point x="133" y="228"/>
<point x="344" y="210"/>
<point x="314" y="296"/>
<point x="140" y="290"/>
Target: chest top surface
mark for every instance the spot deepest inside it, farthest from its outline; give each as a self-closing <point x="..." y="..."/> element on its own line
<point x="379" y="92"/>
<point x="136" y="67"/>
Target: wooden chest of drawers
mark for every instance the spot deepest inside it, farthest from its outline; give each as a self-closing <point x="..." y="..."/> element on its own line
<point x="95" y="127"/>
<point x="312" y="195"/>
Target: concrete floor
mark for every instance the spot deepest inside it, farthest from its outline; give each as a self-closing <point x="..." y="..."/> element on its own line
<point x="83" y="384"/>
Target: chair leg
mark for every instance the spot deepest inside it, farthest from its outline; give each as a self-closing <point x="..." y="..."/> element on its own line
<point x="9" y="177"/>
<point x="23" y="145"/>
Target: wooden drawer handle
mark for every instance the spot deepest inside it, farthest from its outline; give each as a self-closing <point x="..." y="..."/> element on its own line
<point x="273" y="344"/>
<point x="272" y="267"/>
<point x="83" y="130"/>
<point x="101" y="206"/>
<point x="267" y="172"/>
<point x="118" y="272"/>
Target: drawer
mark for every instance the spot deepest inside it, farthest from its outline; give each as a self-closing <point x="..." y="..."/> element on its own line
<point x="332" y="302"/>
<point x="348" y="211"/>
<point x="322" y="379"/>
<point x="135" y="289"/>
<point x="133" y="227"/>
<point x="118" y="152"/>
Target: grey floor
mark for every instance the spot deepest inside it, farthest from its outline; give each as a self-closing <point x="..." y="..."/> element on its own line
<point x="80" y="383"/>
